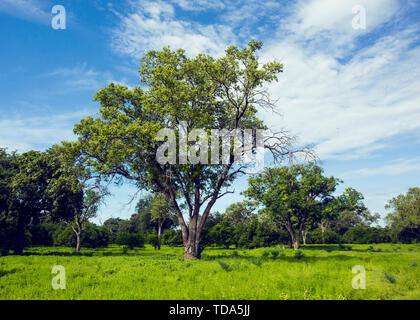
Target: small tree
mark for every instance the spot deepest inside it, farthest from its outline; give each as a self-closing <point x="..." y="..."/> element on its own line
<point x="76" y="192"/>
<point x="161" y="211"/>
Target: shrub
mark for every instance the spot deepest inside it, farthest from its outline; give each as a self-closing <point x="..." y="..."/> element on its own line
<point x="366" y="235"/>
<point x="257" y="261"/>
<point x="131" y="240"/>
<point x="92" y="237"/>
<point x="390" y="277"/>
<point x="275" y="253"/>
<point x="172" y="237"/>
<point x="299" y="254"/>
<point x="326" y="237"/>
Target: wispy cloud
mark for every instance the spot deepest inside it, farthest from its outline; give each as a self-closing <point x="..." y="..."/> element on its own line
<point x="396" y="167"/>
<point x="25" y="133"/>
<point x="346" y="91"/>
<point x="31" y="10"/>
<point x="153" y="25"/>
<point x="82" y="77"/>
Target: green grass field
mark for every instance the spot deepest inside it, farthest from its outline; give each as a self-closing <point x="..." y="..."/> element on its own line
<point x="324" y="272"/>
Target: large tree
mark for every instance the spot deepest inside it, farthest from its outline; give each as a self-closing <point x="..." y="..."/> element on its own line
<point x="294" y="195"/>
<point x="176" y="90"/>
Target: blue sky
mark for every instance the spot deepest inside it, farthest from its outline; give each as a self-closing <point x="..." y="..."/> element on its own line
<point x="354" y="94"/>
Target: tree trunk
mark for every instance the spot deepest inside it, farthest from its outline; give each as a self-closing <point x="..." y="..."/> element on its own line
<point x="191" y="250"/>
<point x="78" y="241"/>
<point x="304" y="234"/>
<point x="158" y="234"/>
<point x="77" y="232"/>
<point x="20" y="236"/>
<point x="294" y="239"/>
<point x="191" y="246"/>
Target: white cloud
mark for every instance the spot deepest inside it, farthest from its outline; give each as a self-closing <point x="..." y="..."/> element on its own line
<point x="31" y="10"/>
<point x="327" y="24"/>
<point x="399" y="166"/>
<point x="347" y="109"/>
<point x="25" y="133"/>
<point x="199" y="5"/>
<point x="344" y="90"/>
<point x="153" y="25"/>
<point x="82" y="77"/>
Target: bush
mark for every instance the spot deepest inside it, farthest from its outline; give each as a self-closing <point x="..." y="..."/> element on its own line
<point x="92" y="237"/>
<point x="65" y="238"/>
<point x="131" y="240"/>
<point x="172" y="237"/>
<point x="43" y="234"/>
<point x="326" y="237"/>
<point x="363" y="235"/>
<point x="299" y="254"/>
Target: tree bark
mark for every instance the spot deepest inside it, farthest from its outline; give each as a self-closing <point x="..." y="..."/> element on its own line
<point x="78" y="242"/>
<point x="159" y="234"/>
<point x="191" y="249"/>
<point x="304" y="234"/>
<point x="77" y="232"/>
<point x="20" y="236"/>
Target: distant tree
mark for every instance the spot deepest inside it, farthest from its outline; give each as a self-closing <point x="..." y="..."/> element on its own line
<point x="28" y="190"/>
<point x="112" y="225"/>
<point x="76" y="192"/>
<point x="405" y="217"/>
<point x="8" y="168"/>
<point x="161" y="211"/>
<point x="239" y="212"/>
<point x="350" y="211"/>
<point x="295" y="195"/>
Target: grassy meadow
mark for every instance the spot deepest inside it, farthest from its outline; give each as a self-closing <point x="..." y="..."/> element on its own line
<point x="317" y="272"/>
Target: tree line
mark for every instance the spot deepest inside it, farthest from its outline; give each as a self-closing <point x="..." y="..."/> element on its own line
<point x="289" y="206"/>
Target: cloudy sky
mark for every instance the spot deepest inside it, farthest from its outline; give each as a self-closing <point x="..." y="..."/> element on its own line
<point x="354" y="93"/>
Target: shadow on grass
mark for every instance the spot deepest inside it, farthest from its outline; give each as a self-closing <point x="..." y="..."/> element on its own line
<point x="136" y="253"/>
<point x="332" y="247"/>
<point x="290" y="259"/>
<point x="6" y="272"/>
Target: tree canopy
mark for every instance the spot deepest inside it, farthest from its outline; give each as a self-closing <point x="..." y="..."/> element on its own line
<point x="201" y="92"/>
<point x="294" y="195"/>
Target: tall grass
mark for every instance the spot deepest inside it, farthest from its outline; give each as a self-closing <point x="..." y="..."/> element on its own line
<point x="117" y="273"/>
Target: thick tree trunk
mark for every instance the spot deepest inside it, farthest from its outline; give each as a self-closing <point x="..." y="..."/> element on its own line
<point x="191" y="250"/>
<point x="294" y="239"/>
<point x="191" y="246"/>
<point x="20" y="236"/>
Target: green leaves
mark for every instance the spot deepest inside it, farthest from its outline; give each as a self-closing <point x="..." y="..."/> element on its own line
<point x="294" y="195"/>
